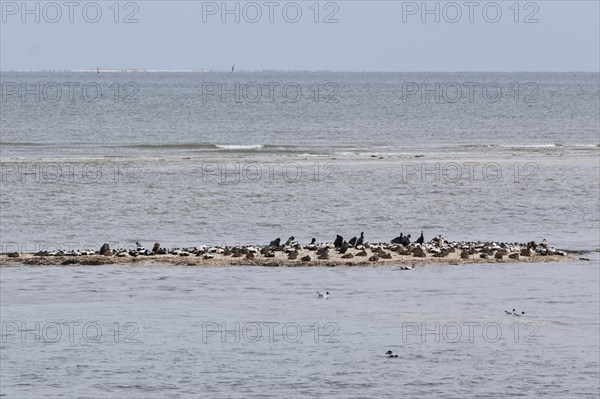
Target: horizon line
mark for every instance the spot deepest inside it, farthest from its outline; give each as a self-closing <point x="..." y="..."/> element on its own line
<point x="203" y="70"/>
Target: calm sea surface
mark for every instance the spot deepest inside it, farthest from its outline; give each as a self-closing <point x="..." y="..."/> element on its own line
<point x="192" y="158"/>
<point x="178" y="337"/>
<point x="116" y="157"/>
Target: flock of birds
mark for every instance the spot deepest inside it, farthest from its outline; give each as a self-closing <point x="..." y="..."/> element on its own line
<point x="437" y="247"/>
<point x="357" y="246"/>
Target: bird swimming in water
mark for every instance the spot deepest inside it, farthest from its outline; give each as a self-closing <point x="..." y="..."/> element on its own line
<point x="421" y="239"/>
<point x="519" y="315"/>
<point x="507" y="312"/>
<point x="325" y="295"/>
<point x="390" y="354"/>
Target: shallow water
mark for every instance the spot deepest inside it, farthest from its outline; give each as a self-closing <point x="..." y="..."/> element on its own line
<point x="181" y="169"/>
<point x="173" y="168"/>
<point x="446" y="323"/>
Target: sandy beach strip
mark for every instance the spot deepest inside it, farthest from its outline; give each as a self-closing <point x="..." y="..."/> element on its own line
<point x="280" y="259"/>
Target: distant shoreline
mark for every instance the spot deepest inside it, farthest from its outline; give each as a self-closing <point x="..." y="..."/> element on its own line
<point x="300" y="71"/>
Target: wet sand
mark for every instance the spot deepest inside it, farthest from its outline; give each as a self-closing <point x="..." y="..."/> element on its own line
<point x="279" y="260"/>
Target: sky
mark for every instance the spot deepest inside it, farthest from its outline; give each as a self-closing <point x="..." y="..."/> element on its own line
<point x="301" y="35"/>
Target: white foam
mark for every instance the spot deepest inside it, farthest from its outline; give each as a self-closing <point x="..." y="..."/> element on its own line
<point x="240" y="146"/>
<point x="528" y="145"/>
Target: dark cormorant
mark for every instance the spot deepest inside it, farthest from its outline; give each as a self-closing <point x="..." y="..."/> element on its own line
<point x="421" y="239"/>
<point x="361" y="239"/>
<point x="343" y="247"/>
<point x="398" y="240"/>
<point x="338" y="241"/>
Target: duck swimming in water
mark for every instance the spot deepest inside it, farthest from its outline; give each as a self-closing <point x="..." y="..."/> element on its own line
<point x="325" y="295"/>
<point x="507" y="312"/>
<point x="390" y="354"/>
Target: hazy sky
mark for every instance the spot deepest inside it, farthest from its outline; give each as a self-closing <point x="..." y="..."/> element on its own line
<point x="302" y="35"/>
